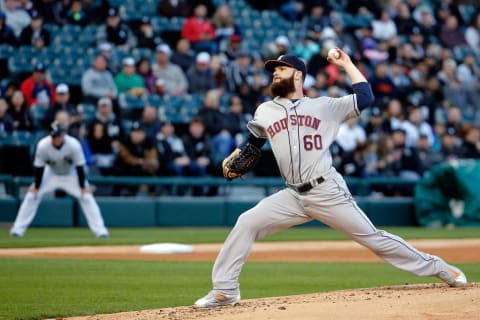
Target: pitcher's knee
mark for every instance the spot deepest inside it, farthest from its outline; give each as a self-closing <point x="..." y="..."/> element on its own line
<point x="249" y="222"/>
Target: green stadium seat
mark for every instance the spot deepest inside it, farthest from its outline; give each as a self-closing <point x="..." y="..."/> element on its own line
<point x="155" y="100"/>
<point x="6" y="51"/>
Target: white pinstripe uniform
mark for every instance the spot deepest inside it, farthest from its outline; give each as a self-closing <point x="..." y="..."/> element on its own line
<point x="59" y="173"/>
<point x="300" y="133"/>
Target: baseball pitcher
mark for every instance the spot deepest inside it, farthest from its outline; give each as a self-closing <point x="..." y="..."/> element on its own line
<point x="300" y="131"/>
<point x="58" y="164"/>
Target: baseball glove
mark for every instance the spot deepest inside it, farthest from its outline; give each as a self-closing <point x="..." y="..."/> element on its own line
<point x="241" y="162"/>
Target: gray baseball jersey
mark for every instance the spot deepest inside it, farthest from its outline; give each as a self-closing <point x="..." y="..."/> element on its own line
<point x="300" y="133"/>
<point x="60" y="160"/>
<point x="309" y="126"/>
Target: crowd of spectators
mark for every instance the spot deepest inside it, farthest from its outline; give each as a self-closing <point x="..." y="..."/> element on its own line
<point x="421" y="58"/>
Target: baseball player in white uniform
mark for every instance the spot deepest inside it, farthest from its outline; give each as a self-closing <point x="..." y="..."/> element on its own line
<point x="300" y="131"/>
<point x="58" y="164"/>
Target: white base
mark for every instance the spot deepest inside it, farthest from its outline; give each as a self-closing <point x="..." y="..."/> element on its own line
<point x="165" y="248"/>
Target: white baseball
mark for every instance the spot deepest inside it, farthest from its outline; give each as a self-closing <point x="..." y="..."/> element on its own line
<point x="334" y="53"/>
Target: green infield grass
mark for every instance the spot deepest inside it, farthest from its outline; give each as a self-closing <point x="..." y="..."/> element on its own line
<point x="43" y="237"/>
<point x="45" y="288"/>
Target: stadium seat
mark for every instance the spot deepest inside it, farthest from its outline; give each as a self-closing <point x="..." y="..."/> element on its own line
<point x="89" y="110"/>
<point x="6" y="51"/>
<point x="128" y="101"/>
<point x="155" y="100"/>
<point x="160" y="23"/>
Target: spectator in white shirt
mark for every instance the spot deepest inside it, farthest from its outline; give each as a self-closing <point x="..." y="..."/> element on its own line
<point x="350" y="134"/>
<point x="416" y="126"/>
<point x="384" y="28"/>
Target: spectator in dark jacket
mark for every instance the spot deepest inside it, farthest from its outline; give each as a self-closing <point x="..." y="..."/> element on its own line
<point x="197" y="147"/>
<point x="6" y="121"/>
<point x="107" y="117"/>
<point x="405" y="161"/>
<point x="62" y="103"/>
<point x="383" y="86"/>
<point x="451" y="35"/>
<point x="20" y="112"/>
<point x="136" y="157"/>
<point x="199" y="75"/>
<point x="103" y="155"/>
<point x="76" y="15"/>
<point x="7" y="36"/>
<point x="35" y="34"/>
<point x="116" y="32"/>
<point x="236" y="119"/>
<point x="150" y="123"/>
<point x="450" y="145"/>
<point x="182" y="56"/>
<point x="173" y="8"/>
<point x="146" y="36"/>
<point x="471" y="143"/>
<point x="214" y="120"/>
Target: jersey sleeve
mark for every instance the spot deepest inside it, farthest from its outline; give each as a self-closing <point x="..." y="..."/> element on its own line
<point x="255" y="125"/>
<point x="256" y="129"/>
<point x="343" y="108"/>
<point x="40" y="156"/>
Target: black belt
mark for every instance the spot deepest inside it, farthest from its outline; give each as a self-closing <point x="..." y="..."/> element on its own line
<point x="307" y="186"/>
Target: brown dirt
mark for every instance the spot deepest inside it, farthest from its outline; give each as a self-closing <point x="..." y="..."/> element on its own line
<point x="420" y="302"/>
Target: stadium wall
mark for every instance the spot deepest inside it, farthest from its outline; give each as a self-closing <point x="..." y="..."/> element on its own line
<point x="186" y="211"/>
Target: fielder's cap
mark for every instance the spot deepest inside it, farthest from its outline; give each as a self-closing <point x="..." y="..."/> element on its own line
<point x="112" y="12"/>
<point x="282" y="41"/>
<point x="164" y="48"/>
<point x="288" y="60"/>
<point x="128" y="61"/>
<point x="62" y="88"/>
<point x="145" y="20"/>
<point x="40" y="67"/>
<point x="104" y="102"/>
<point x="2" y="15"/>
<point x="203" y="58"/>
<point x="57" y="129"/>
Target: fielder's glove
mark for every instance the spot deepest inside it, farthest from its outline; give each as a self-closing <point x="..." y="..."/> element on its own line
<point x="241" y="161"/>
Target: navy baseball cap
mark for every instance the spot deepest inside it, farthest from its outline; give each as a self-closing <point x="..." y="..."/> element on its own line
<point x="57" y="129"/>
<point x="288" y="60"/>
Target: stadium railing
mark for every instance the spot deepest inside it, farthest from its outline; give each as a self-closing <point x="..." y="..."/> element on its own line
<point x="359" y="186"/>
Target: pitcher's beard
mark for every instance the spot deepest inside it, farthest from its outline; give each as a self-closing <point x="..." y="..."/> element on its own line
<point x="283" y="87"/>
